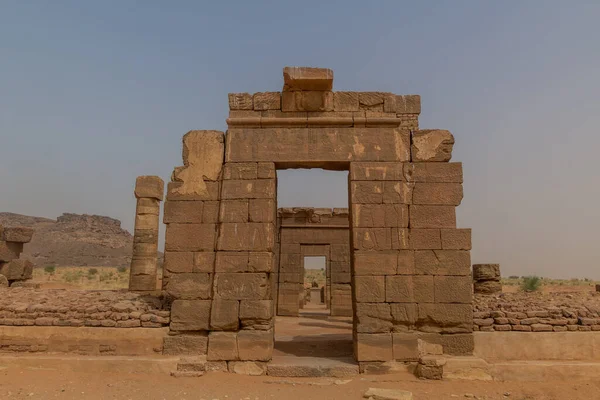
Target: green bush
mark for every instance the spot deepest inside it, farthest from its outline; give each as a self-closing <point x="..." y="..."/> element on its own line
<point x="50" y="269"/>
<point x="513" y="277"/>
<point x="92" y="271"/>
<point x="122" y="269"/>
<point x="531" y="283"/>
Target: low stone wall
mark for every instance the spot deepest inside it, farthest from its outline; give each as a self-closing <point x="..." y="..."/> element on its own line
<point x="48" y="307"/>
<point x="537" y="312"/>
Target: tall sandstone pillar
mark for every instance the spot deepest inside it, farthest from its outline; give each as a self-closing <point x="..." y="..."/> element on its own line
<point x="149" y="191"/>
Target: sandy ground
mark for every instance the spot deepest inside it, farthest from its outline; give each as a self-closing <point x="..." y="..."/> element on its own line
<point x="50" y="384"/>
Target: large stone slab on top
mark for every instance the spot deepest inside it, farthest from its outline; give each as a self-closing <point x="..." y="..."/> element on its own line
<point x="329" y="148"/>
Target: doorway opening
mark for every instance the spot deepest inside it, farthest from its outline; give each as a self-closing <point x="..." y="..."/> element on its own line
<point x="314" y="296"/>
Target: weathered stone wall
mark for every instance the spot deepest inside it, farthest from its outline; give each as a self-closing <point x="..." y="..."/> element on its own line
<point x="537" y="312"/>
<point x="314" y="232"/>
<point x="52" y="307"/>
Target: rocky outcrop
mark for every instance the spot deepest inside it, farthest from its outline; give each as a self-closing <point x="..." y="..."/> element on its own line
<point x="74" y="240"/>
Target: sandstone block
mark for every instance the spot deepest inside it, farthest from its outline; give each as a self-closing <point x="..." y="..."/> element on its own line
<point x="204" y="262"/>
<point x="446" y="315"/>
<point x="203" y="160"/>
<point x="195" y="344"/>
<point x="483" y="272"/>
<point x="437" y="193"/>
<point x="432" y="172"/>
<point x="376" y="171"/>
<point x="190" y="237"/>
<point x="307" y="101"/>
<point x="366" y="192"/>
<point x="375" y="262"/>
<point x="255" y="311"/>
<point x="240" y="101"/>
<point x="222" y="346"/>
<point x="371" y="100"/>
<point x="406" y="288"/>
<point x="250" y="236"/>
<point x="190" y="315"/>
<point x="405" y="347"/>
<point x="453" y="289"/>
<point x="177" y="191"/>
<point x="231" y="261"/>
<point x="400" y="238"/>
<point x="373" y="317"/>
<point x="374" y="347"/>
<point x="329" y="146"/>
<point x="146" y="222"/>
<point x="224" y="315"/>
<point x="190" y="286"/>
<point x="242" y="286"/>
<point x="432" y="216"/>
<point x="17" y="269"/>
<point x="456" y="239"/>
<point x="183" y="212"/>
<point x="404" y="314"/>
<point x="432" y="145"/>
<point x="251" y="368"/>
<point x="424" y="239"/>
<point x="460" y="344"/>
<point x="147" y="206"/>
<point x="149" y="187"/>
<point x="16" y="234"/>
<point x="260" y="261"/>
<point x="249" y="189"/>
<point x="406" y="262"/>
<point x="345" y="101"/>
<point x="443" y="262"/>
<point x="267" y="101"/>
<point x="266" y="170"/>
<point x="307" y="78"/>
<point x="487" y="287"/>
<point x="10" y="250"/>
<point x="379" y="215"/>
<point x="370" y="289"/>
<point x="233" y="211"/>
<point x="255" y="345"/>
<point x="341" y="277"/>
<point x="372" y="238"/>
<point x="210" y="212"/>
<point x="262" y="210"/>
<point x="398" y="192"/>
<point x="402" y="104"/>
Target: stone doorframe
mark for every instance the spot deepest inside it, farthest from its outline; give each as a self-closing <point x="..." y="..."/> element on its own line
<point x="306" y="231"/>
<point x="410" y="265"/>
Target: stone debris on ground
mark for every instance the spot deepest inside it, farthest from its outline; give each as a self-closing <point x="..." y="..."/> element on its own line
<point x="387" y="394"/>
<point x="537" y="312"/>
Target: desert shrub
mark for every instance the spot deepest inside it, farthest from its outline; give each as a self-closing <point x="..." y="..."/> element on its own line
<point x="531" y="283"/>
<point x="513" y="277"/>
<point x="92" y="271"/>
<point x="50" y="269"/>
<point x="121" y="269"/>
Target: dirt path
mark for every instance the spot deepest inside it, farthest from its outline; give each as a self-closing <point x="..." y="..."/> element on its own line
<point x="18" y="383"/>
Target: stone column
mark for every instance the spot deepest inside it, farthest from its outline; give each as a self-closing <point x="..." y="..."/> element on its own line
<point x="149" y="191"/>
<point x="486" y="278"/>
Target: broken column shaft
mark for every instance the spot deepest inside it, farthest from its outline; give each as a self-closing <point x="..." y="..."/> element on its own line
<point x="149" y="192"/>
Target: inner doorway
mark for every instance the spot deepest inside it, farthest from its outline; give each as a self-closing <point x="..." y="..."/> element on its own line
<point x="314" y="298"/>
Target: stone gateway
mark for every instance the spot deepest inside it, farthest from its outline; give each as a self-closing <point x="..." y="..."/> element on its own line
<point x="400" y="266"/>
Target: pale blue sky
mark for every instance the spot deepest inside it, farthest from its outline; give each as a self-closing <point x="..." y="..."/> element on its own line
<point x="94" y="94"/>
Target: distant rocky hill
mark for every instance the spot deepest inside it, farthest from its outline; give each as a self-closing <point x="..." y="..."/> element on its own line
<point x="74" y="240"/>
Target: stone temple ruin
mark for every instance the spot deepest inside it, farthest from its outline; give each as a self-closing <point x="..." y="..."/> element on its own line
<point x="13" y="270"/>
<point x="396" y="262"/>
